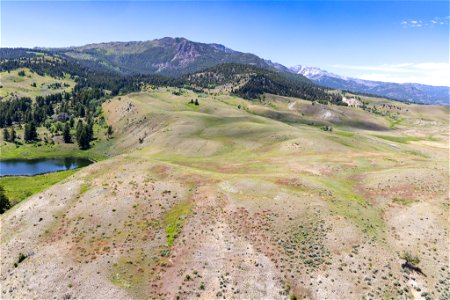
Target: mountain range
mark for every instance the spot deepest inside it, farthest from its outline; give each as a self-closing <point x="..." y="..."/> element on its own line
<point x="412" y="92"/>
<point x="167" y="56"/>
<point x="175" y="57"/>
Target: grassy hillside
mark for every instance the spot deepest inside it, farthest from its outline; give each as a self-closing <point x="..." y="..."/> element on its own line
<point x="18" y="188"/>
<point x="243" y="199"/>
<point x="31" y="84"/>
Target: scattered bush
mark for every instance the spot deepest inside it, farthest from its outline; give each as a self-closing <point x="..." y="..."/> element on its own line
<point x="20" y="259"/>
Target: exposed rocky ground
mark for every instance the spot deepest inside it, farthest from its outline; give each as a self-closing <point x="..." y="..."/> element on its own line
<point x="215" y="201"/>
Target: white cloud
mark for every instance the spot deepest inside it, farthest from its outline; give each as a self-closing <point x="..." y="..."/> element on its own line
<point x="425" y="23"/>
<point x="426" y="73"/>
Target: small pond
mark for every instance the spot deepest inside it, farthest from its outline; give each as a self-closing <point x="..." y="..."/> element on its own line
<point x="29" y="167"/>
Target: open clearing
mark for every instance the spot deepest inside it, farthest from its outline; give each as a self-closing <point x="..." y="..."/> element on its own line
<point x="31" y="84"/>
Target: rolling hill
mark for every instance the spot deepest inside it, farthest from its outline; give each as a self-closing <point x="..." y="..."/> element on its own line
<point x="240" y="199"/>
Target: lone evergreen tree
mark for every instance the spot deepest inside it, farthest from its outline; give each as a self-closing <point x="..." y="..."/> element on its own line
<point x="26" y="132"/>
<point x="33" y="132"/>
<point x="66" y="133"/>
<point x="6" y="135"/>
<point x="30" y="133"/>
<point x="110" y="131"/>
<point x="13" y="135"/>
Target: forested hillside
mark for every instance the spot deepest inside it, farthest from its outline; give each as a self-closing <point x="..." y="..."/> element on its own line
<point x="251" y="82"/>
<point x="166" y="56"/>
<point x="93" y="87"/>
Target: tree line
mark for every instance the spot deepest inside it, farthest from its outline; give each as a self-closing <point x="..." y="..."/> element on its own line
<point x="84" y="101"/>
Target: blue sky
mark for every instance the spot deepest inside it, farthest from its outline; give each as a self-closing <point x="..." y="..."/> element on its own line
<point x="399" y="41"/>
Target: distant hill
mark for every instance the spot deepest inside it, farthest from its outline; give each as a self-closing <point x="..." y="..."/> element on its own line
<point x="247" y="81"/>
<point x="166" y="56"/>
<point x="176" y="57"/>
<point x="251" y="82"/>
<point x="413" y="92"/>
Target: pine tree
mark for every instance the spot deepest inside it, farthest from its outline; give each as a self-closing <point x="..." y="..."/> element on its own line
<point x="90" y="130"/>
<point x="66" y="133"/>
<point x="72" y="122"/>
<point x="110" y="131"/>
<point x="13" y="135"/>
<point x="79" y="129"/>
<point x="6" y="135"/>
<point x="4" y="201"/>
<point x="26" y="132"/>
<point x="83" y="141"/>
<point x="30" y="132"/>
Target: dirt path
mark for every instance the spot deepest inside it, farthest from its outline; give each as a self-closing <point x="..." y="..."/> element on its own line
<point x="291" y="105"/>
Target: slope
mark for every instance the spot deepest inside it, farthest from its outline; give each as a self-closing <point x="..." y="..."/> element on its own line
<point x="239" y="199"/>
<point x="166" y="56"/>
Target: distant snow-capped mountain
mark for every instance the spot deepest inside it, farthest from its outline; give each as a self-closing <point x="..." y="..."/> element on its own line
<point x="312" y="72"/>
<point x="413" y="92"/>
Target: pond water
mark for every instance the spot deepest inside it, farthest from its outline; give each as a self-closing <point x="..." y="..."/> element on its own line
<point x="28" y="167"/>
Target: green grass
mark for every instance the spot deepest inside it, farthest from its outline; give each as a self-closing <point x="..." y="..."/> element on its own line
<point x="18" y="188"/>
<point x="403" y="201"/>
<point x="398" y="139"/>
<point x="344" y="133"/>
<point x="174" y="220"/>
<point x="345" y="202"/>
<point x="12" y="83"/>
<point x="394" y="122"/>
<point x="41" y="150"/>
<point x="343" y="189"/>
<point x="84" y="188"/>
<point x="37" y="53"/>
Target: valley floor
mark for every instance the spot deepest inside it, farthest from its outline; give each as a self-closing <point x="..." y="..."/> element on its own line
<point x="234" y="199"/>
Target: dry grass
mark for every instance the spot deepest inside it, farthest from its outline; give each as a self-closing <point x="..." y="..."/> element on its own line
<point x="222" y="202"/>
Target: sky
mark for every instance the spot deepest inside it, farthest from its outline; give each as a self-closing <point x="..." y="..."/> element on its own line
<point x="398" y="41"/>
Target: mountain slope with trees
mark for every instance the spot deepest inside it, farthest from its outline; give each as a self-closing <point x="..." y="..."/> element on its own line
<point x="175" y="57"/>
<point x="166" y="56"/>
<point x="251" y="82"/>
